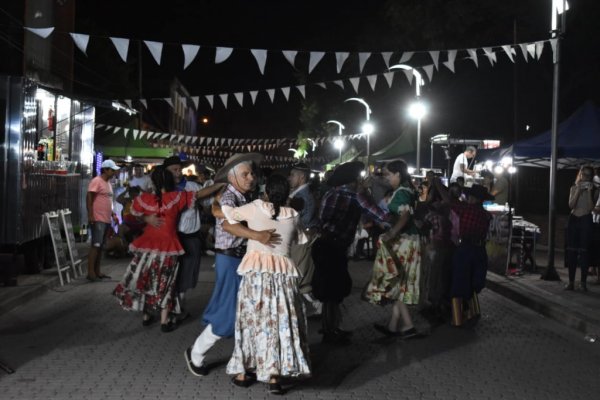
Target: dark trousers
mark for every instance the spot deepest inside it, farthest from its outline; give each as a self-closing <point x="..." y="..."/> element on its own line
<point x="579" y="239"/>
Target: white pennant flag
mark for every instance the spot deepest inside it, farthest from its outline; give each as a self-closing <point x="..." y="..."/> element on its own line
<point x="339" y="83"/>
<point x="405" y="57"/>
<point x="473" y="56"/>
<point x="168" y="100"/>
<point x="290" y="55"/>
<point x="451" y="58"/>
<point x="211" y="100"/>
<point x="301" y="89"/>
<point x="539" y="47"/>
<point x="202" y="139"/>
<point x="286" y="92"/>
<point x="125" y="132"/>
<point x="142" y="134"/>
<point x="435" y="56"/>
<point x="389" y="77"/>
<point x="409" y="75"/>
<point x="429" y="71"/>
<point x="239" y="96"/>
<point x="135" y="134"/>
<point x="322" y="84"/>
<point x="490" y="55"/>
<point x="553" y="45"/>
<point x="386" y="58"/>
<point x="253" y="94"/>
<point x="315" y="57"/>
<point x="222" y="54"/>
<point x="271" y="93"/>
<point x="340" y="59"/>
<point x="372" y="81"/>
<point x="128" y="102"/>
<point x="122" y="46"/>
<point x="81" y="41"/>
<point x="41" y="32"/>
<point x="144" y="103"/>
<point x="531" y="49"/>
<point x="117" y="128"/>
<point x="100" y="126"/>
<point x="355" y="82"/>
<point x="155" y="49"/>
<point x="362" y="60"/>
<point x="190" y="51"/>
<point x="261" y="59"/>
<point x="208" y="140"/>
<point x="187" y="139"/>
<point x="509" y="52"/>
<point x="523" y="47"/>
<point x="180" y="138"/>
<point x="196" y="100"/>
<point x="173" y="136"/>
<point x="194" y="139"/>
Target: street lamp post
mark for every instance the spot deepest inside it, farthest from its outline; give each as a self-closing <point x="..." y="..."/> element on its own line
<point x="367" y="127"/>
<point x="417" y="110"/>
<point x="339" y="143"/>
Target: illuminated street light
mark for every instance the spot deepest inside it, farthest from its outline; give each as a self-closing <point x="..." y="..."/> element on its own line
<point x="339" y="143"/>
<point x="369" y="129"/>
<point x="417" y="110"/>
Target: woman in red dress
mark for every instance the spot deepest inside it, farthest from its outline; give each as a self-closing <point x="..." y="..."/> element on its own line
<point x="149" y="281"/>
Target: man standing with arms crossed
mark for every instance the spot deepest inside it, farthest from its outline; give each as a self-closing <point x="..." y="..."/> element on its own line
<point x="230" y="246"/>
<point x="99" y="202"/>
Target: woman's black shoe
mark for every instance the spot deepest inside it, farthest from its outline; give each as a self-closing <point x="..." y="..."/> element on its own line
<point x="148" y="320"/>
<point x="168" y="327"/>
<point x="275" y="388"/>
<point x="249" y="380"/>
<point x="386" y="331"/>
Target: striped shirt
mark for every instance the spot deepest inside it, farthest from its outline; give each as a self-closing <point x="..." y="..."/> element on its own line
<point x="223" y="240"/>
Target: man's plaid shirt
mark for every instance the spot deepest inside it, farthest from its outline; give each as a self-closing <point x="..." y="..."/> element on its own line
<point x="223" y="240"/>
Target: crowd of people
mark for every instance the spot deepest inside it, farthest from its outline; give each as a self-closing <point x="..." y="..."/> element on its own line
<point x="282" y="254"/>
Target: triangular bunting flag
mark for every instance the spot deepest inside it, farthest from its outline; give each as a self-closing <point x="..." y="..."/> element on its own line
<point x="169" y="101"/>
<point x="315" y="57"/>
<point x="539" y="47"/>
<point x="135" y="134"/>
<point x="164" y="136"/>
<point x="509" y="52"/>
<point x="155" y="49"/>
<point x="339" y="83"/>
<point x="386" y="58"/>
<point x="222" y="54"/>
<point x="355" y="82"/>
<point x="429" y="71"/>
<point x="372" y="81"/>
<point x="208" y="140"/>
<point x="301" y="89"/>
<point x="253" y="95"/>
<point x="128" y="102"/>
<point x="201" y="140"/>
<point x="389" y="77"/>
<point x="290" y="55"/>
<point x="322" y="84"/>
<point x="490" y="55"/>
<point x="435" y="56"/>
<point x="126" y="131"/>
<point x="473" y="56"/>
<point x="409" y="75"/>
<point x="261" y="59"/>
<point x="122" y="46"/>
<point x="180" y="138"/>
<point x="142" y="134"/>
<point x="173" y="136"/>
<point x="189" y="54"/>
<point x="41" y="32"/>
<point x="239" y="96"/>
<point x="405" y="57"/>
<point x="117" y="128"/>
<point x="451" y="58"/>
<point x="81" y="41"/>
<point x="196" y="100"/>
<point x="340" y="59"/>
<point x="286" y="92"/>
<point x="194" y="139"/>
<point x="211" y="100"/>
<point x="531" y="49"/>
<point x="553" y="45"/>
<point x="187" y="139"/>
<point x="271" y="93"/>
<point x="523" y="47"/>
<point x="100" y="126"/>
<point x="362" y="60"/>
<point x="144" y="103"/>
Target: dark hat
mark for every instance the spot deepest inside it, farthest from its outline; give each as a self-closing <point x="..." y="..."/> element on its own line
<point x="301" y="167"/>
<point x="221" y="175"/>
<point x="478" y="191"/>
<point x="173" y="160"/>
<point x="346" y="173"/>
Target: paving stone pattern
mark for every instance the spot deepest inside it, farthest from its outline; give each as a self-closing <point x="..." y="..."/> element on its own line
<point x="76" y="343"/>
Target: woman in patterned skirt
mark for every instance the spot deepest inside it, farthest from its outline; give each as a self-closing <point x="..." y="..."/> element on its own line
<point x="149" y="281"/>
<point x="270" y="328"/>
<point x="397" y="268"/>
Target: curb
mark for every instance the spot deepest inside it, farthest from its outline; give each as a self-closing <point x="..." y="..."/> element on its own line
<point x="523" y="295"/>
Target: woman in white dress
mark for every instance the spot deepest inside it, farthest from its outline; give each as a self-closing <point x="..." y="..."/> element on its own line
<point x="270" y="328"/>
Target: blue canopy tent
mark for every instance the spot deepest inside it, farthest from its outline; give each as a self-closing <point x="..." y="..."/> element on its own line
<point x="578" y="142"/>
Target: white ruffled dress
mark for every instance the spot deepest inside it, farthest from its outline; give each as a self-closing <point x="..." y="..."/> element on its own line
<point x="270" y="329"/>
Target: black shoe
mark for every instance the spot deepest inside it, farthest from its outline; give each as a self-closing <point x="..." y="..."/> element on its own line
<point x="569" y="286"/>
<point x="386" y="331"/>
<point x="198" y="371"/>
<point x="275" y="388"/>
<point x="179" y="318"/>
<point x="408" y="334"/>
<point x="148" y="321"/>
<point x="249" y="380"/>
<point x="168" y="327"/>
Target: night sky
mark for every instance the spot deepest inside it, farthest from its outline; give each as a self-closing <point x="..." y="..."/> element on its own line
<point x="471" y="103"/>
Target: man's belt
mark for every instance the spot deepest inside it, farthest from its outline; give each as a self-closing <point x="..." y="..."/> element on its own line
<point x="471" y="241"/>
<point x="237" y="252"/>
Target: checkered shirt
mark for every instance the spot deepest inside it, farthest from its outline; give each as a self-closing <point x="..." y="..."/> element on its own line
<point x="223" y="240"/>
<point x="474" y="220"/>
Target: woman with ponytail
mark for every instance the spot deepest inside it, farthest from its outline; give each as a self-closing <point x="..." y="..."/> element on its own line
<point x="270" y="328"/>
<point x="149" y="281"/>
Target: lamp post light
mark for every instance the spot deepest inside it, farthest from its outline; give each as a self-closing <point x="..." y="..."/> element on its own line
<point x="367" y="127"/>
<point x="339" y="143"/>
<point x="417" y="110"/>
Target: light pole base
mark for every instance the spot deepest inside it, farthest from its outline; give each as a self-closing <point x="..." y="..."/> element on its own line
<point x="550" y="274"/>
